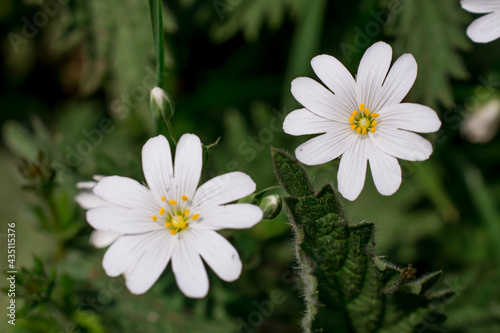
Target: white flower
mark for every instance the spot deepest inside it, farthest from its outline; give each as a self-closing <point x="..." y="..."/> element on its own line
<point x="486" y="28"/>
<point x="173" y="220"/>
<point x="87" y="200"/>
<point x="363" y="119"/>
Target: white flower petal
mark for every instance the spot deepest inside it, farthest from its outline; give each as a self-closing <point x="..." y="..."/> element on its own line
<point x="219" y="254"/>
<point x="485" y="29"/>
<point x="326" y="147"/>
<point x="223" y="189"/>
<point x="188" y="164"/>
<point x="303" y="122"/>
<point x="87" y="185"/>
<point x="409" y="116"/>
<point x="399" y="81"/>
<point x="141" y="277"/>
<point x="124" y="253"/>
<point x="480" y="6"/>
<point x="88" y="200"/>
<point x="125" y="192"/>
<point x="402" y="144"/>
<point x="337" y="78"/>
<point x="372" y="71"/>
<point x="319" y="100"/>
<point x="121" y="220"/>
<point x="157" y="166"/>
<point x="100" y="239"/>
<point x="235" y="216"/>
<point x="386" y="171"/>
<point x="188" y="268"/>
<point x="352" y="170"/>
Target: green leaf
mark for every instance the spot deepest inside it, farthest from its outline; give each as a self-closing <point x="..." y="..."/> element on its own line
<point x="434" y="32"/>
<point x="340" y="270"/>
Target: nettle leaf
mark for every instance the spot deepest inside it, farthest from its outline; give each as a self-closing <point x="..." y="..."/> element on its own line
<point x="342" y="276"/>
<point x="434" y="32"/>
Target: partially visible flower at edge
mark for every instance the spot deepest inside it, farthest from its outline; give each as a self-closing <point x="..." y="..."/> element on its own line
<point x="362" y="120"/>
<point x="486" y="28"/>
<point x="172" y="220"/>
<point x="87" y="200"/>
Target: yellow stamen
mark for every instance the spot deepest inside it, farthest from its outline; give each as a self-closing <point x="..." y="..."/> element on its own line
<point x="353" y="126"/>
<point x="351" y="119"/>
<point x="367" y="112"/>
<point x="168" y="225"/>
<point x="154" y="218"/>
<point x="186" y="212"/>
<point x="361" y="107"/>
<point x="354" y="112"/>
<point x="173" y="232"/>
<point x="172" y="202"/>
<point x="195" y="217"/>
<point x="163" y="198"/>
<point x="375" y="115"/>
<point x="364" y="131"/>
<point x="162" y="211"/>
<point x="374" y="122"/>
<point x="372" y="130"/>
<point x="183" y="225"/>
<point x="358" y="130"/>
<point x="184" y="198"/>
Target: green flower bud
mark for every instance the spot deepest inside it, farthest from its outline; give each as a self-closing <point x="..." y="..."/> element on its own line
<point x="162" y="105"/>
<point x="271" y="206"/>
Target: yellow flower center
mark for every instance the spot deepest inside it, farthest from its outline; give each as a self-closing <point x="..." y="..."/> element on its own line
<point x="363" y="121"/>
<point x="178" y="217"/>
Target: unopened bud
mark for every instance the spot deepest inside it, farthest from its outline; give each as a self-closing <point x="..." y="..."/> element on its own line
<point x="162" y="105"/>
<point x="271" y="206"/>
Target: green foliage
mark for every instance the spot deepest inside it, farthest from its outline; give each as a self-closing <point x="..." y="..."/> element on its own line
<point x="340" y="270"/>
<point x="434" y="32"/>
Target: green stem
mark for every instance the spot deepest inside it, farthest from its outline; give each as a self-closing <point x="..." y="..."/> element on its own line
<point x="156" y="13"/>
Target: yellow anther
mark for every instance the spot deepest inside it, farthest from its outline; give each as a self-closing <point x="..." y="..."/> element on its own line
<point x="354" y="112"/>
<point x="358" y="130"/>
<point x="168" y="225"/>
<point x="163" y="198"/>
<point x="172" y="202"/>
<point x="195" y="217"/>
<point x="162" y="211"/>
<point x="184" y="198"/>
<point x="173" y="232"/>
<point x="353" y="126"/>
<point x="186" y="212"/>
<point x="351" y="119"/>
<point x="372" y="130"/>
<point x="183" y="225"/>
<point x="361" y="107"/>
<point x="367" y="112"/>
<point x="374" y="122"/>
<point x="154" y="218"/>
<point x="364" y="131"/>
<point x="375" y="115"/>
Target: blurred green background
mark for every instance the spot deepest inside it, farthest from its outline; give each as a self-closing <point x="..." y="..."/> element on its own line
<point x="69" y="67"/>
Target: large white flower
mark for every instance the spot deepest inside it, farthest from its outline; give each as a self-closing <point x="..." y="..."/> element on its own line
<point x="363" y="119"/>
<point x="486" y="28"/>
<point x="87" y="200"/>
<point x="173" y="220"/>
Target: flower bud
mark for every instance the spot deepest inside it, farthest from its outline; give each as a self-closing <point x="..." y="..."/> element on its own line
<point x="271" y="206"/>
<point x="162" y="105"/>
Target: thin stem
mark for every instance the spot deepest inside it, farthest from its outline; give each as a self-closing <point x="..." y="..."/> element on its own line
<point x="156" y="13"/>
